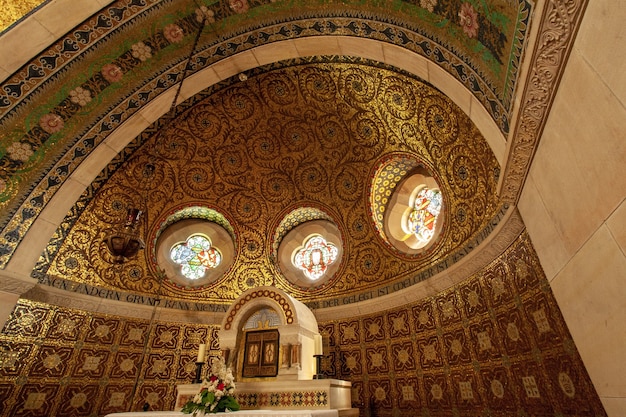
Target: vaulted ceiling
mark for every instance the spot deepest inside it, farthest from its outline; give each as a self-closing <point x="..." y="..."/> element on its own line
<point x="284" y="105"/>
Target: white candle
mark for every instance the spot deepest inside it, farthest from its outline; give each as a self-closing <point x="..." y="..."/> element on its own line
<point x="319" y="349"/>
<point x="201" y="353"/>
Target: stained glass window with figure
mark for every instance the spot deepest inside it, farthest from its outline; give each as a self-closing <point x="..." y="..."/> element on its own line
<point x="423" y="218"/>
<point x="314" y="257"/>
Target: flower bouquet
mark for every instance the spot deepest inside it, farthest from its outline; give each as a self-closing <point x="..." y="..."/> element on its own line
<point x="216" y="392"/>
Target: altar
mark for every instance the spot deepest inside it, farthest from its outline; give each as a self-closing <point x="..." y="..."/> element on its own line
<point x="244" y="413"/>
<point x="281" y="396"/>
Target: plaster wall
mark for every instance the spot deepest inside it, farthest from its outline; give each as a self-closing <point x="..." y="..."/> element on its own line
<point x="573" y="202"/>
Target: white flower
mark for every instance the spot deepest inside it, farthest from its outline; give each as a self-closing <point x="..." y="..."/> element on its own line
<point x="19" y="151"/>
<point x="80" y="96"/>
<point x="141" y="51"/>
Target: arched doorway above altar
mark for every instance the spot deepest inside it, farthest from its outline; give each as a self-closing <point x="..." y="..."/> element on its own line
<point x="269" y="340"/>
<point x="267" y="334"/>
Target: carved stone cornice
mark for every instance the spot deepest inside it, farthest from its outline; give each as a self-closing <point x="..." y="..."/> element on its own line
<point x="14" y="284"/>
<point x="508" y="231"/>
<point x="557" y="31"/>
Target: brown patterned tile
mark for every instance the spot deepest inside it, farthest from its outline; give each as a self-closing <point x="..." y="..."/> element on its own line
<point x="67" y="325"/>
<point x="193" y="337"/>
<point x="448" y="309"/>
<point x="351" y="362"/>
<point x="26" y="321"/>
<point x="349" y="332"/>
<point x="35" y="400"/>
<point x="91" y="363"/>
<point x="125" y="364"/>
<point x="377" y="360"/>
<point x="165" y="336"/>
<point x="545" y="320"/>
<point x="116" y="398"/>
<point x="159" y="366"/>
<point x="430" y="349"/>
<point x="437" y="391"/>
<point x="15" y="358"/>
<point x="381" y="395"/>
<point x="7" y="389"/>
<point x="466" y="389"/>
<point x="186" y="367"/>
<point x="158" y="396"/>
<point x="374" y="329"/>
<point x="79" y="400"/>
<point x="457" y="347"/>
<point x="102" y="330"/>
<point x="403" y="356"/>
<point x="53" y="361"/>
<point x="498" y="388"/>
<point x="498" y="285"/>
<point x="424" y="317"/>
<point x="515" y="338"/>
<point x="572" y="389"/>
<point x="134" y="333"/>
<point x="399" y="325"/>
<point x="474" y="299"/>
<point x="485" y="340"/>
<point x="533" y="388"/>
<point x="408" y="396"/>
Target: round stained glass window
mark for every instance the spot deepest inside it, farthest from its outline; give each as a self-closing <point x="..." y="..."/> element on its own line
<point x="422" y="220"/>
<point x="195" y="256"/>
<point x="314" y="257"/>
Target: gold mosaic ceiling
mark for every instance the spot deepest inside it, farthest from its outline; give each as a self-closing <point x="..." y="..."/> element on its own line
<point x="303" y="135"/>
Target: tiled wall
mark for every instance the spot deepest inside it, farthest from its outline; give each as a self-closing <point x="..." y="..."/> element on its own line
<point x="494" y="345"/>
<point x="62" y="362"/>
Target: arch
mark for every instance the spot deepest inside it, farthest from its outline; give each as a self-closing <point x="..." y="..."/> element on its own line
<point x="39" y="234"/>
<point x="297" y="329"/>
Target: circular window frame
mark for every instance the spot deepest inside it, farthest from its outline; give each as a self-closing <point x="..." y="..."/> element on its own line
<point x="400" y="206"/>
<point x="295" y="238"/>
<point x="179" y="232"/>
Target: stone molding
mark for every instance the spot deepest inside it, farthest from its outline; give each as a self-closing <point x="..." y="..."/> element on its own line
<point x="555" y="39"/>
<point x="14" y="284"/>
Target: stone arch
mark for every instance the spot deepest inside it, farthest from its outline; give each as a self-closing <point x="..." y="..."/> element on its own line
<point x="297" y="330"/>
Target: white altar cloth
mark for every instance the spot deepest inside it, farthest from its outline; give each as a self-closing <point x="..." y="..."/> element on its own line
<point x="241" y="413"/>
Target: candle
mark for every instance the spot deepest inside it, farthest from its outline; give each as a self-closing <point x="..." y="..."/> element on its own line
<point x="319" y="349"/>
<point x="201" y="353"/>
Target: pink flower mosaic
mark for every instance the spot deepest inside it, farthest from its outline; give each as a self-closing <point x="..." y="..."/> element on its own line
<point x="51" y="123"/>
<point x="468" y="18"/>
<point x="239" y="6"/>
<point x="80" y="96"/>
<point x="112" y="73"/>
<point x="205" y="12"/>
<point x="141" y="51"/>
<point x="428" y="4"/>
<point x="173" y="33"/>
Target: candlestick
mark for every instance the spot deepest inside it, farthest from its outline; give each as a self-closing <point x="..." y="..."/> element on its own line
<point x="201" y="353"/>
<point x="319" y="347"/>
<point x="318" y="367"/>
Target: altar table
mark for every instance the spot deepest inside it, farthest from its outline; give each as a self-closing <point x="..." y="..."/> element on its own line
<point x="241" y="413"/>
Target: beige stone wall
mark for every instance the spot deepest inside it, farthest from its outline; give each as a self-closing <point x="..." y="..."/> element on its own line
<point x="573" y="203"/>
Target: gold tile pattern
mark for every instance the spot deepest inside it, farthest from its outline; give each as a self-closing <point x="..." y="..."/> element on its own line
<point x="253" y="152"/>
<point x="494" y="344"/>
<point x="71" y="362"/>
